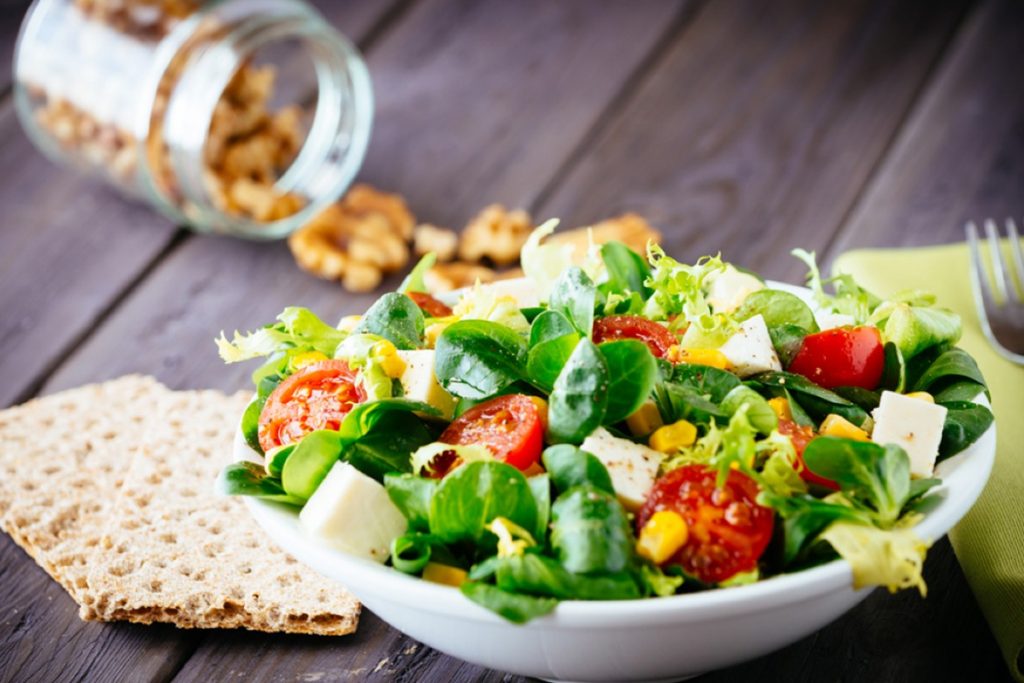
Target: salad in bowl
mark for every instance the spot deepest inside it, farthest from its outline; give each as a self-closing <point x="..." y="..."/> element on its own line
<point x="612" y="427"/>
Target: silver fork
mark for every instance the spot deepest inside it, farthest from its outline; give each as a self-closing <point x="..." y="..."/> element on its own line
<point x="1001" y="312"/>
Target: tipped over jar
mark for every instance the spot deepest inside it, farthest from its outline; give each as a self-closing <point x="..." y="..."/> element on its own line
<point x="240" y="117"/>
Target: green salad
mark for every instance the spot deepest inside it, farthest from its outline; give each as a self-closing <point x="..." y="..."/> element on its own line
<point x="612" y="426"/>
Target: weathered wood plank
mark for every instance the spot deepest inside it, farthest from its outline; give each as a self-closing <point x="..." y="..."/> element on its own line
<point x="961" y="155"/>
<point x="68" y="249"/>
<point x="208" y="284"/>
<point x="756" y="132"/>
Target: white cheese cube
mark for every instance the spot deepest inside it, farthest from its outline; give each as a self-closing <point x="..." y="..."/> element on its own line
<point x="352" y="512"/>
<point x="631" y="466"/>
<point x="521" y="289"/>
<point x="750" y="350"/>
<point x="420" y="384"/>
<point x="828" y="320"/>
<point x="914" y="424"/>
<point x="730" y="287"/>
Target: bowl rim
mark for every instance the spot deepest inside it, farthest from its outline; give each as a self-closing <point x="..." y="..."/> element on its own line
<point x="281" y="523"/>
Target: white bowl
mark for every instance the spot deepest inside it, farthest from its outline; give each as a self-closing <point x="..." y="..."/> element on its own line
<point x="626" y="640"/>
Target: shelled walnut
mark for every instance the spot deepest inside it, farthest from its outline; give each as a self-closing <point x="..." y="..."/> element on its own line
<point x="430" y="238"/>
<point x="496" y="234"/>
<point x="444" y="277"/>
<point x="357" y="240"/>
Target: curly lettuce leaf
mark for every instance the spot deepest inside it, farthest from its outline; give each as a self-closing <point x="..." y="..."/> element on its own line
<point x="679" y="295"/>
<point x="892" y="558"/>
<point x="849" y="298"/>
<point x="297" y="328"/>
<point x="369" y="353"/>
<point x="484" y="303"/>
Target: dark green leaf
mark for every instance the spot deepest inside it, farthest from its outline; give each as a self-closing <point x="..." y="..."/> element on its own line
<point x="249" y="479"/>
<point x="952" y="365"/>
<point x="411" y="552"/>
<point x="470" y="497"/>
<point x="590" y="531"/>
<point x="361" y="419"/>
<point x="965" y="423"/>
<point x="515" y="607"/>
<point x="549" y="325"/>
<point x="817" y="401"/>
<point x="386" y="448"/>
<point x="411" y="494"/>
<point x="580" y="395"/>
<point x="476" y="358"/>
<point x="538" y="575"/>
<point x="806" y="517"/>
<point x="627" y="270"/>
<point x="309" y="463"/>
<point x="878" y="476"/>
<point x="574" y="295"/>
<point x="787" y="340"/>
<point x="865" y="398"/>
<point x="540" y="486"/>
<point x="778" y="308"/>
<point x="397" y="318"/>
<point x="761" y="416"/>
<point x="633" y="373"/>
<point x="568" y="466"/>
<point x="546" y="360"/>
<point x="894" y="373"/>
<point x="276" y="459"/>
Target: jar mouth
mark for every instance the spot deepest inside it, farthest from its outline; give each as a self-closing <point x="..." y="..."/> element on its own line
<point x="335" y="144"/>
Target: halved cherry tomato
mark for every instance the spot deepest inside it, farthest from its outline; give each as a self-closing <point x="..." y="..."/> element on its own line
<point x="657" y="337"/>
<point x="842" y="357"/>
<point x="511" y="426"/>
<point x="728" y="530"/>
<point x="801" y="436"/>
<point x="319" y="396"/>
<point x="430" y="305"/>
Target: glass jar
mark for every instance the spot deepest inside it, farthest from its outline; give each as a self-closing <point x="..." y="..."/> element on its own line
<point x="240" y="117"/>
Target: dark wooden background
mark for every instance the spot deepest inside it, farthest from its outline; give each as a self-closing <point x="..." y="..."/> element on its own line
<point x="746" y="127"/>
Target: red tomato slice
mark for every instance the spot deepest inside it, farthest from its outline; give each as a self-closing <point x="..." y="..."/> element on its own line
<point x="728" y="530"/>
<point x="657" y="337"/>
<point x="842" y="357"/>
<point x="801" y="436"/>
<point x="512" y="427"/>
<point x="430" y="305"/>
<point x="317" y="397"/>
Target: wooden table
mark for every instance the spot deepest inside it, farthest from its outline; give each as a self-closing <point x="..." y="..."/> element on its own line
<point x="746" y="127"/>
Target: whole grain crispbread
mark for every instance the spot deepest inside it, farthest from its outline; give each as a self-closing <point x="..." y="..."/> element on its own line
<point x="177" y="552"/>
<point x="62" y="458"/>
<point x="110" y="488"/>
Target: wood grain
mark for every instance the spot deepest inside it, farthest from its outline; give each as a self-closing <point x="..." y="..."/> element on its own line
<point x="68" y="249"/>
<point x="758" y="129"/>
<point x="961" y="155"/>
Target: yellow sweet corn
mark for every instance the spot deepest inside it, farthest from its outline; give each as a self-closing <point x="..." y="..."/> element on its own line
<point x="836" y="425"/>
<point x="645" y="419"/>
<point x="781" y="407"/>
<point x="671" y="438"/>
<point x="305" y="359"/>
<point x="711" y="357"/>
<point x="922" y="396"/>
<point x="664" y="534"/>
<point x="385" y="353"/>
<point x="443" y="573"/>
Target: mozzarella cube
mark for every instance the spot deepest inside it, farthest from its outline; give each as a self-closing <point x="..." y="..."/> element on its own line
<point x="353" y="513"/>
<point x="729" y="288"/>
<point x="828" y="320"/>
<point x="419" y="382"/>
<point x="521" y="289"/>
<point x="631" y="466"/>
<point x="914" y="424"/>
<point x="750" y="350"/>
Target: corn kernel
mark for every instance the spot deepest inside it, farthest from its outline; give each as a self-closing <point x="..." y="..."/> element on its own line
<point x="302" y="360"/>
<point x="443" y="573"/>
<point x="434" y="331"/>
<point x="670" y="438"/>
<point x="922" y="396"/>
<point x="836" y="425"/>
<point x="663" y="535"/>
<point x="385" y="353"/>
<point x="349" y="322"/>
<point x="645" y="419"/>
<point x="781" y="408"/>
<point x="710" y="357"/>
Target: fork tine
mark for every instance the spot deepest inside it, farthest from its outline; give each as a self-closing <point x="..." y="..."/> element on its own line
<point x="981" y="283"/>
<point x="996" y="254"/>
<point x="1015" y="249"/>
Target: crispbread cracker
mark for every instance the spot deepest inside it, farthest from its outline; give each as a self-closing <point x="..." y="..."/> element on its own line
<point x="176" y="552"/>
<point x="62" y="458"/>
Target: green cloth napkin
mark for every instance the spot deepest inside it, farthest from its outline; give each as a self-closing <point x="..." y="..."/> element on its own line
<point x="989" y="542"/>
